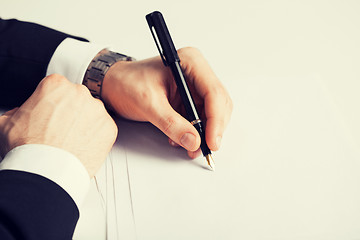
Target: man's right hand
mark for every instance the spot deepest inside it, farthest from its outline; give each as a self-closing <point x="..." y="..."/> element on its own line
<point x="64" y="115"/>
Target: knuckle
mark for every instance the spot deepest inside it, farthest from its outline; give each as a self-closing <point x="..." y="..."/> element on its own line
<point x="191" y="51"/>
<point x="190" y="57"/>
<point x="230" y="104"/>
<point x="189" y="54"/>
<point x="228" y="101"/>
<point x="82" y="90"/>
<point x="221" y="123"/>
<point x="221" y="93"/>
<point x="57" y="76"/>
<point x="96" y="106"/>
<point x="145" y="98"/>
<point x="217" y="122"/>
<point x="99" y="105"/>
<point x="218" y="92"/>
<point x="167" y="124"/>
<point x="112" y="129"/>
<point x="53" y="81"/>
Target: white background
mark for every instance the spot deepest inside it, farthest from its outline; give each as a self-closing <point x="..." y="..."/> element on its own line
<point x="289" y="164"/>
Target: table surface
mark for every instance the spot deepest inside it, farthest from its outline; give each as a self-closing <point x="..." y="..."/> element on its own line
<point x="289" y="163"/>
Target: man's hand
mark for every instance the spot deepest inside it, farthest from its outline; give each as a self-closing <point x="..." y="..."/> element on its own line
<point x="63" y="115"/>
<point x="145" y="91"/>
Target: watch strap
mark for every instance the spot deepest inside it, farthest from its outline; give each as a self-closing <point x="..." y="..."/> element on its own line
<point x="97" y="69"/>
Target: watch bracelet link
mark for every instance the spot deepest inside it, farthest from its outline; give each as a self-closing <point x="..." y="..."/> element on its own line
<point x="97" y="69"/>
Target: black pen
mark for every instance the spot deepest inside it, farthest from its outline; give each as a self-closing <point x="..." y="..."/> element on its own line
<point x="171" y="59"/>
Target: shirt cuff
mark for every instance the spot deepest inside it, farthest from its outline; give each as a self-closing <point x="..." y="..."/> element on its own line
<point x="56" y="164"/>
<point x="71" y="59"/>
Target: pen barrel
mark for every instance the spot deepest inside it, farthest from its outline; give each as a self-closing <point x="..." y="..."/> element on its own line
<point x="201" y="130"/>
<point x="171" y="59"/>
<point x="184" y="92"/>
<point x="190" y="108"/>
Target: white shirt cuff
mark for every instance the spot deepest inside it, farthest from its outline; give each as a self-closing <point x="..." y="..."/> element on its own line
<point x="56" y="164"/>
<point x="71" y="59"/>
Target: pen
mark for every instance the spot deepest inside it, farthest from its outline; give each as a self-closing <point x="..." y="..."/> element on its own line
<point x="171" y="59"/>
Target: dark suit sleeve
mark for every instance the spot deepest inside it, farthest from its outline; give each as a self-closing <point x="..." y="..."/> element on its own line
<point x="25" y="51"/>
<point x="34" y="207"/>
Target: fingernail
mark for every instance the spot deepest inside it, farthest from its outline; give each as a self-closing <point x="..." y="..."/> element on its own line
<point x="188" y="140"/>
<point x="218" y="142"/>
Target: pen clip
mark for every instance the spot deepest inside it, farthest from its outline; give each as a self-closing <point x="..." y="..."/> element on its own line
<point x="156" y="39"/>
<point x="162" y="38"/>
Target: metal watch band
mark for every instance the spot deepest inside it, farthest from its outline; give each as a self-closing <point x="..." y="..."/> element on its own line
<point x="97" y="69"/>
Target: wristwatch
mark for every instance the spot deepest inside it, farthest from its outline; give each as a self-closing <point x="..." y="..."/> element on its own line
<point x="97" y="69"/>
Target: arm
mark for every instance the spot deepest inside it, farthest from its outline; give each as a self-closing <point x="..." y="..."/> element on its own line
<point x="125" y="84"/>
<point x="33" y="207"/>
<point x="60" y="127"/>
<point x="122" y="86"/>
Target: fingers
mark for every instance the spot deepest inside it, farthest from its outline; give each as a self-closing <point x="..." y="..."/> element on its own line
<point x="191" y="154"/>
<point x="195" y="154"/>
<point x="177" y="128"/>
<point x="198" y="71"/>
<point x="217" y="102"/>
<point x="218" y="110"/>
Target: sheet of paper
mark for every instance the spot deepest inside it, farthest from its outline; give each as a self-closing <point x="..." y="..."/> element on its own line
<point x="288" y="167"/>
<point x="107" y="211"/>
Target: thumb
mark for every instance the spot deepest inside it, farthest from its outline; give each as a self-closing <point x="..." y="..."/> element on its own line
<point x="175" y="126"/>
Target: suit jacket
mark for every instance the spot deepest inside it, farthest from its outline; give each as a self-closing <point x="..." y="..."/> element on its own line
<point x="25" y="52"/>
<point x="31" y="206"/>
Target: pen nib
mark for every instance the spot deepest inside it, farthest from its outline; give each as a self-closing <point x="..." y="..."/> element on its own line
<point x="210" y="161"/>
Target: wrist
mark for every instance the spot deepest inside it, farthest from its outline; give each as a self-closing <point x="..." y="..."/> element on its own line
<point x="98" y="68"/>
<point x="112" y="87"/>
